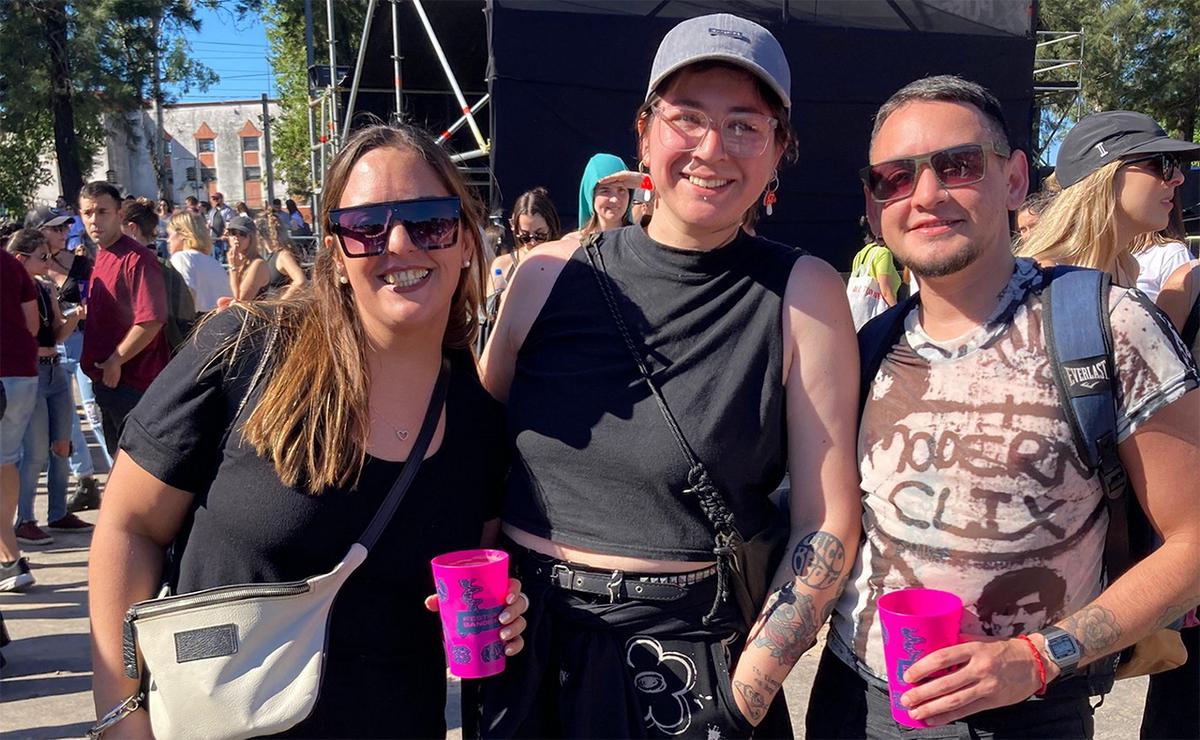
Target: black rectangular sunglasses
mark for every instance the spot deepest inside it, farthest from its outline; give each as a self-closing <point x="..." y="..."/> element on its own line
<point x="363" y="231"/>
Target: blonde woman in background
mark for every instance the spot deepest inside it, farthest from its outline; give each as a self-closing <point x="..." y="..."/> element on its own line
<point x="247" y="269"/>
<point x="1119" y="171"/>
<point x="1161" y="253"/>
<point x="284" y="275"/>
<point x="189" y="242"/>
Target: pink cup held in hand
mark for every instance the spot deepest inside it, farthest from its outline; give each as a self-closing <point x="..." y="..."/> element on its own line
<point x="916" y="622"/>
<point x="471" y="586"/>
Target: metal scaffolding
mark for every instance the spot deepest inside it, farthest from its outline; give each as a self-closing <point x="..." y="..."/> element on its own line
<point x="1056" y="76"/>
<point x="326" y="134"/>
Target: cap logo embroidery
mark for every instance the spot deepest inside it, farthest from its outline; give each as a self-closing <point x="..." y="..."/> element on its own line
<point x="1100" y="147"/>
<point x="731" y="34"/>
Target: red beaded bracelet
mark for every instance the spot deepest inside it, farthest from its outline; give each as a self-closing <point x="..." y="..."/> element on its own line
<point x="1041" y="665"/>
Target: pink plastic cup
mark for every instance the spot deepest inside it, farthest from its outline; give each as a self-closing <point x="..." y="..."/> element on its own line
<point x="471" y="586"/>
<point x="916" y="621"/>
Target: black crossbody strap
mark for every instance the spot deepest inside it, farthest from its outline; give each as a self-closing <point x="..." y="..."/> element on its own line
<point x="405" y="479"/>
<point x="712" y="501"/>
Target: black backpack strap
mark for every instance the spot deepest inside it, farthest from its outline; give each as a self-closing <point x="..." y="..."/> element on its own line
<point x="875" y="339"/>
<point x="1191" y="327"/>
<point x="1078" y="335"/>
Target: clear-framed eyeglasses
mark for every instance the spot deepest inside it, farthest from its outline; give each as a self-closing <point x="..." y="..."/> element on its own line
<point x="744" y="135"/>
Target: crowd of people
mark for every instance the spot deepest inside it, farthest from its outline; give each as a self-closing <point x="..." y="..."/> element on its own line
<point x="665" y="419"/>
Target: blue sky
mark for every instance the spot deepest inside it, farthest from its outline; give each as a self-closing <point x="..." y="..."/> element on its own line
<point x="237" y="51"/>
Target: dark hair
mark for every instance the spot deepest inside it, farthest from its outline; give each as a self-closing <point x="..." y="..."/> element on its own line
<point x="26" y="241"/>
<point x="1038" y="202"/>
<point x="8" y="228"/>
<point x="141" y="214"/>
<point x="947" y="89"/>
<point x="192" y="200"/>
<point x="291" y="206"/>
<point x="96" y="188"/>
<point x="537" y="202"/>
<point x="277" y="203"/>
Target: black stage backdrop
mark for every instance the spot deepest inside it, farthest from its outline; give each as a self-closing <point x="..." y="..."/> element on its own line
<point x="566" y="77"/>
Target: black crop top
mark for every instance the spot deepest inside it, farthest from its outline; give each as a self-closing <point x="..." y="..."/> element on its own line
<point x="595" y="465"/>
<point x="45" y="332"/>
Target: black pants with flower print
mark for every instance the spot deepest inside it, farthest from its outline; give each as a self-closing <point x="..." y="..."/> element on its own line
<point x="636" y="668"/>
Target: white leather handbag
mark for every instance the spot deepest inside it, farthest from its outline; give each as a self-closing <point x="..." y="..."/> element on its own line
<point x="246" y="660"/>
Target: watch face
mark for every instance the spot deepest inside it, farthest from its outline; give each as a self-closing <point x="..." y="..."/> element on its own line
<point x="1062" y="647"/>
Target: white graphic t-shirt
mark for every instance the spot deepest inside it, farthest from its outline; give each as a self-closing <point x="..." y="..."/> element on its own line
<point x="971" y="481"/>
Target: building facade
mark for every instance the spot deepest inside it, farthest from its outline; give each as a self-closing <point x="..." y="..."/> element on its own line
<point x="208" y="148"/>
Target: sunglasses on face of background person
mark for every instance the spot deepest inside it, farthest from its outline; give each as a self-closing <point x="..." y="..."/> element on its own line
<point x="955" y="167"/>
<point x="362" y="231"/>
<point x="1166" y="166"/>
<point x="535" y="237"/>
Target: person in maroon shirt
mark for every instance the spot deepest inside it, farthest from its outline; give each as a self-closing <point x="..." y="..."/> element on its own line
<point x="124" y="348"/>
<point x="19" y="381"/>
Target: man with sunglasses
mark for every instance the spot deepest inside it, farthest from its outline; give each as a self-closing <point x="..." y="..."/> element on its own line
<point x="968" y="463"/>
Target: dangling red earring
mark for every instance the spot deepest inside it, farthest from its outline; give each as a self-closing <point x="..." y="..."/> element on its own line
<point x="647" y="185"/>
<point x="769" y="197"/>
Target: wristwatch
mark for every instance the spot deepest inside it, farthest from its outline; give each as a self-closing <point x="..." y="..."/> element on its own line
<point x="1063" y="649"/>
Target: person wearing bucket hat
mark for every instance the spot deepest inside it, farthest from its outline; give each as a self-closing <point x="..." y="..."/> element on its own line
<point x="644" y="621"/>
<point x="1119" y="171"/>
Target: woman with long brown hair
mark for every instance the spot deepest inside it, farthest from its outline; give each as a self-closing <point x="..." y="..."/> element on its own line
<point x="347" y="381"/>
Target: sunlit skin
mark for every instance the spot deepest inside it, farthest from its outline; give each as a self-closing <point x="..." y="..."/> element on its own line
<point x="688" y="215"/>
<point x="939" y="231"/>
<point x="101" y="219"/>
<point x="388" y="311"/>
<point x="532" y="223"/>
<point x="610" y="203"/>
<point x="56" y="236"/>
<point x="175" y="241"/>
<point x="35" y="261"/>
<point x="1144" y="200"/>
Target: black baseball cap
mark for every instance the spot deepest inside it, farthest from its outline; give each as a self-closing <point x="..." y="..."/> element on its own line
<point x="1102" y="138"/>
<point x="241" y="224"/>
<point x="44" y="216"/>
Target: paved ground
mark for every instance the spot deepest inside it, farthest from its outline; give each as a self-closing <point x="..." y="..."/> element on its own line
<point x="44" y="690"/>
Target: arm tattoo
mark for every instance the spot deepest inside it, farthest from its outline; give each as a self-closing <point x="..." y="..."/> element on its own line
<point x="1170" y="615"/>
<point x="756" y="703"/>
<point x="1095" y="628"/>
<point x="790" y="626"/>
<point x="758" y="697"/>
<point x="818" y="560"/>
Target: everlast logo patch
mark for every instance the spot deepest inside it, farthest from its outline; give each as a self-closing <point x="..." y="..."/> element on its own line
<point x="1086" y="377"/>
<point x="731" y="34"/>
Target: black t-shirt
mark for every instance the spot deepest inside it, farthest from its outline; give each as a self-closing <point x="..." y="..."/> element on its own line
<point x="385" y="670"/>
<point x="595" y="464"/>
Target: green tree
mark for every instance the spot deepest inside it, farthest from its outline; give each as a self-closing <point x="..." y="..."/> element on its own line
<point x="284" y="21"/>
<point x="67" y="63"/>
<point x="1141" y="55"/>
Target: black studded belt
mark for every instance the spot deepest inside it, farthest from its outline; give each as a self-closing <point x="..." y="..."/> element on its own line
<point x="617" y="585"/>
<point x="48" y="360"/>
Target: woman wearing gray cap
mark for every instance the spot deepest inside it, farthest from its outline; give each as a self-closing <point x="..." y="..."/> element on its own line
<point x="660" y="383"/>
<point x="1119" y="171"/>
<point x="248" y="273"/>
